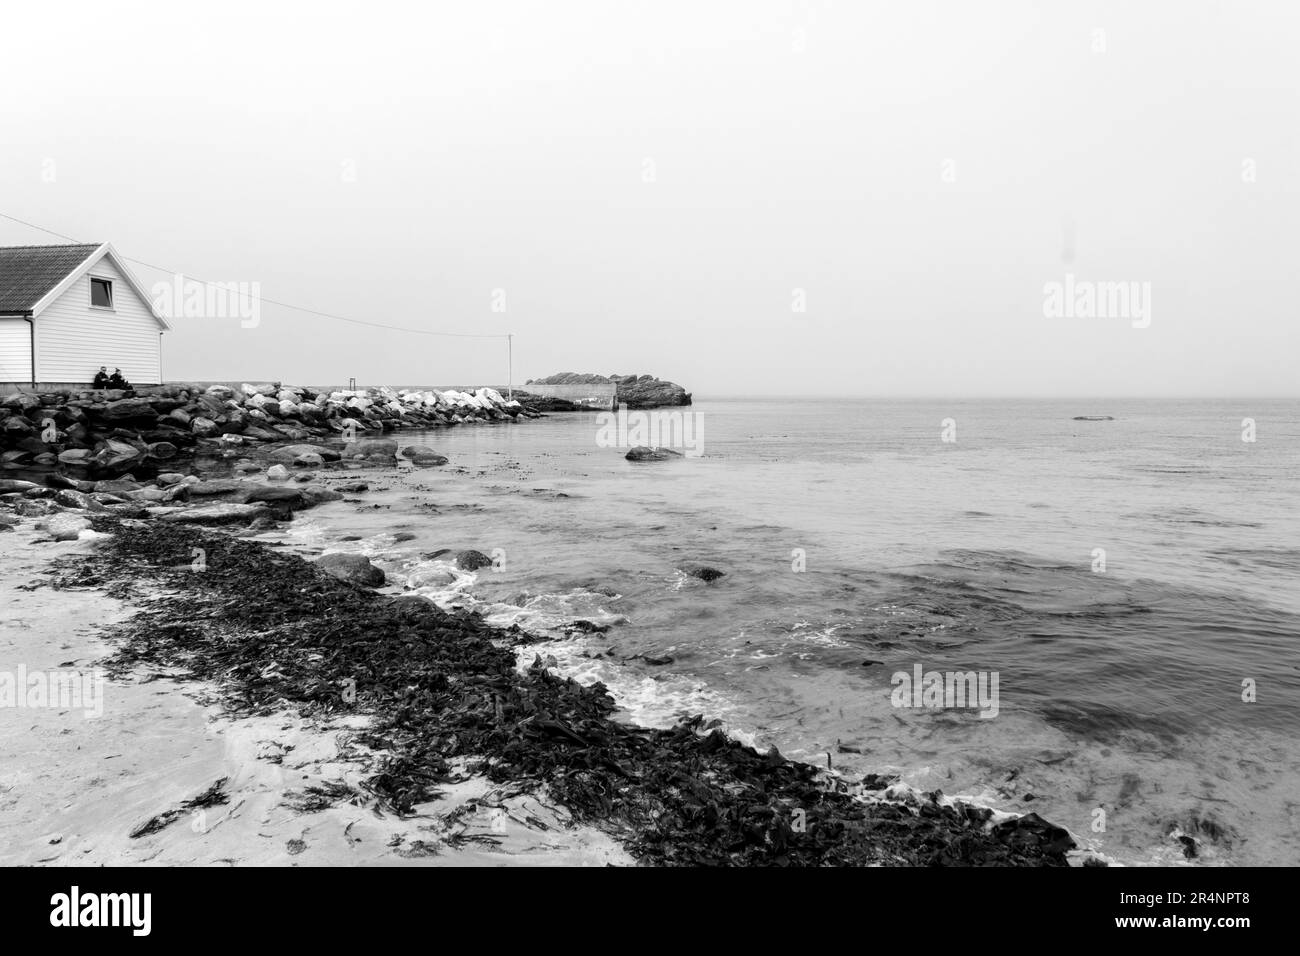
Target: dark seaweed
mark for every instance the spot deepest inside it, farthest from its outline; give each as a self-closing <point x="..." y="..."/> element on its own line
<point x="271" y="630"/>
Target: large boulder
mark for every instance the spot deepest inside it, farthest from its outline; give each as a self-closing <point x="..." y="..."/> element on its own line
<point x="646" y="391"/>
<point x="634" y="391"/>
<point x="353" y="568"/>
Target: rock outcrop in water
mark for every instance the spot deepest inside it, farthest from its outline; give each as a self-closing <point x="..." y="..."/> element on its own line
<point x="112" y="432"/>
<point x="634" y="391"/>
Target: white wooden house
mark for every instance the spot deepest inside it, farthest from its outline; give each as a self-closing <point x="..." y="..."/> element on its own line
<point x="67" y="310"/>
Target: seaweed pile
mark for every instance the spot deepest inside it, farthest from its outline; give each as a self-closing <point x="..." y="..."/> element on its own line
<point x="271" y="630"/>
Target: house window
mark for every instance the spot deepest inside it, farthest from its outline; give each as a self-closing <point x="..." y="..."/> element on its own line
<point x="101" y="293"/>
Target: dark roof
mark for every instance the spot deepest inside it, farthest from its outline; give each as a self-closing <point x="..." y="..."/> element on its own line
<point x="28" y="273"/>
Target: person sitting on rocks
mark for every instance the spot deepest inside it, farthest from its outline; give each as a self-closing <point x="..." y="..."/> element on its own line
<point x="101" y="378"/>
<point x="117" y="381"/>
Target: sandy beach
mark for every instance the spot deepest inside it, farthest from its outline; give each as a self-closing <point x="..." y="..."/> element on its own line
<point x="222" y="736"/>
<point x="74" y="788"/>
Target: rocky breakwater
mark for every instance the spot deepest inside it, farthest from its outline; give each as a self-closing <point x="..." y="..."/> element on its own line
<point x="102" y="434"/>
<point x="634" y="391"/>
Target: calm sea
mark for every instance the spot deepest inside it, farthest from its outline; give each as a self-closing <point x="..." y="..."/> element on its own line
<point x="1131" y="583"/>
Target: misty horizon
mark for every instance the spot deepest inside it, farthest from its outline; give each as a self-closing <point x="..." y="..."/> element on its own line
<point x="745" y="199"/>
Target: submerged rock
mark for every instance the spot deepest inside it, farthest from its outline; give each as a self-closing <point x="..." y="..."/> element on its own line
<point x="706" y="574"/>
<point x="642" y="453"/>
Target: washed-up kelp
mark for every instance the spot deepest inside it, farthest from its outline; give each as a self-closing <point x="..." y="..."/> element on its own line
<point x="271" y="630"/>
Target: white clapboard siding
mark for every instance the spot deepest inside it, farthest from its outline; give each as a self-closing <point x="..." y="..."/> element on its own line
<point x="73" y="340"/>
<point x="15" y="351"/>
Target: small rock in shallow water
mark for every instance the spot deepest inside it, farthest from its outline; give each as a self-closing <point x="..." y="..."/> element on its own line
<point x="423" y="455"/>
<point x="472" y="560"/>
<point x="642" y="453"/>
<point x="706" y="574"/>
<point x="353" y="568"/>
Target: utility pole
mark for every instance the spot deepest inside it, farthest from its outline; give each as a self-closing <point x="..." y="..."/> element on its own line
<point x="510" y="368"/>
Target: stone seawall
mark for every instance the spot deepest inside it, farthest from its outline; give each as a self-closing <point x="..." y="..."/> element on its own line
<point x="110" y="432"/>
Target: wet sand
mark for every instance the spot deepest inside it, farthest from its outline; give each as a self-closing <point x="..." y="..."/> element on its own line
<point x="73" y="788"/>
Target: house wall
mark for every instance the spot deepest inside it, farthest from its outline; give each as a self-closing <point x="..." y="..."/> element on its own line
<point x="73" y="340"/>
<point x="15" y="350"/>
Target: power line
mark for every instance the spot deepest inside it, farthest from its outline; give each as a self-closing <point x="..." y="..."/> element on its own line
<point x="283" y="305"/>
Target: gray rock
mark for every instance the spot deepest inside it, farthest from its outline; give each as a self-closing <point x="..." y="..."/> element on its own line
<point x="290" y="452"/>
<point x="74" y="499"/>
<point x="471" y="560"/>
<point x="66" y="527"/>
<point x="642" y="453"/>
<point x="276" y="495"/>
<point x="13" y="485"/>
<point x="219" y="514"/>
<point x="423" y="455"/>
<point x="218" y="486"/>
<point x="135" y="409"/>
<point x="372" y="448"/>
<point x="353" y="568"/>
<point x="315" y="494"/>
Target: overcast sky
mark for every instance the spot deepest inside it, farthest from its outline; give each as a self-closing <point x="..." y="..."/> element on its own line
<point x="657" y="187"/>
